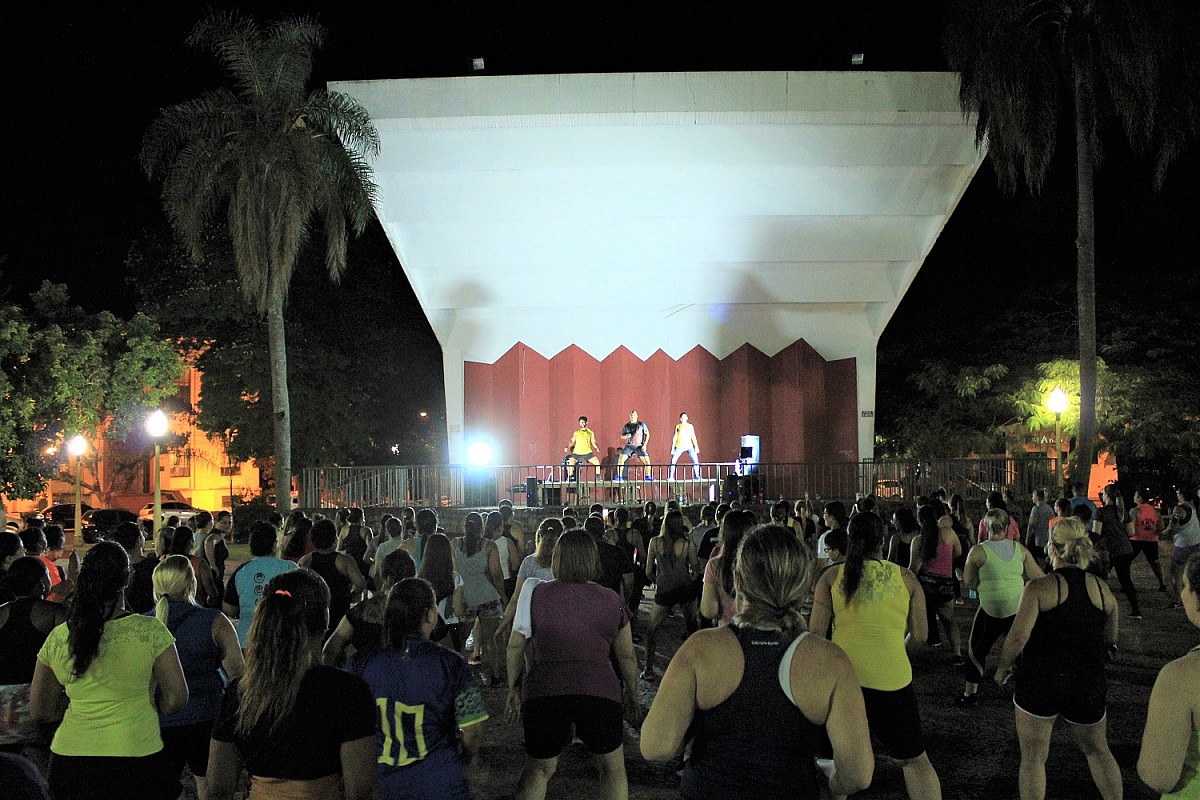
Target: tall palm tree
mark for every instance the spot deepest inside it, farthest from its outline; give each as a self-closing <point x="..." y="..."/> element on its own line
<point x="273" y="156"/>
<point x="1025" y="63"/>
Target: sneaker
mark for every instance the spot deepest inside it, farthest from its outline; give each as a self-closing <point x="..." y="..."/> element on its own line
<point x="967" y="700"/>
<point x="959" y="661"/>
<point x="648" y="675"/>
<point x="617" y="479"/>
<point x="649" y="477"/>
<point x="1176" y="605"/>
<point x="1135" y="616"/>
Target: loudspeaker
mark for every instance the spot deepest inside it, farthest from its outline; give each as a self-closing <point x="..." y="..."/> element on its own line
<point x="531" y="492"/>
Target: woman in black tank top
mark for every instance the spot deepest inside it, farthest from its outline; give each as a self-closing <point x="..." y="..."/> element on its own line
<point x="1064" y="625"/>
<point x="757" y="692"/>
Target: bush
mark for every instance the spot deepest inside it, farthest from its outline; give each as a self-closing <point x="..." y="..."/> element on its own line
<point x="248" y="513"/>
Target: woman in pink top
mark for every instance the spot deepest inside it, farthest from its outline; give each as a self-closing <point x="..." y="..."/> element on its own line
<point x="717" y="600"/>
<point x="933" y="552"/>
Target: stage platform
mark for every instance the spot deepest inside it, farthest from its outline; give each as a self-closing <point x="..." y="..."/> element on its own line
<point x="628" y="492"/>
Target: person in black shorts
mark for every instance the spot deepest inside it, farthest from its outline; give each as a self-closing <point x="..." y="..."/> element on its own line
<point x="1064" y="625"/>
<point x="637" y="436"/>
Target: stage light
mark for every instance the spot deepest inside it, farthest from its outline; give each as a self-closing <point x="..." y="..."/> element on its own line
<point x="479" y="454"/>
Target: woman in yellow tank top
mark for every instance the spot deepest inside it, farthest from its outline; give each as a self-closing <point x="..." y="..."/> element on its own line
<point x="872" y="604"/>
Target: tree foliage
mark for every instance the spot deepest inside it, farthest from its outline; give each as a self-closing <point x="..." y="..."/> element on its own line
<point x="1029" y="65"/>
<point x="362" y="361"/>
<point x="64" y="372"/>
<point x="273" y="157"/>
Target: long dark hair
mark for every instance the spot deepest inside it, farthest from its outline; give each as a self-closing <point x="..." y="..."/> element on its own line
<point x="733" y="527"/>
<point x="931" y="534"/>
<point x="837" y="510"/>
<point x="473" y="536"/>
<point x="865" y="536"/>
<point x="100" y="588"/>
<point x="673" y="530"/>
<point x="293" y="611"/>
<point x="408" y="604"/>
<point x="301" y="532"/>
<point x="906" y="521"/>
<point x="437" y="565"/>
<point x="24" y="578"/>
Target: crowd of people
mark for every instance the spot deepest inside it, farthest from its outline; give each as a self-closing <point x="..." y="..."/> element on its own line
<point x="338" y="661"/>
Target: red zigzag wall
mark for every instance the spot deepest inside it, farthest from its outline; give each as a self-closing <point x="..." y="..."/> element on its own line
<point x="802" y="406"/>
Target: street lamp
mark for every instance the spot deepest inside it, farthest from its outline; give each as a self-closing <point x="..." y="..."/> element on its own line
<point x="77" y="447"/>
<point x="156" y="426"/>
<point x="1058" y="402"/>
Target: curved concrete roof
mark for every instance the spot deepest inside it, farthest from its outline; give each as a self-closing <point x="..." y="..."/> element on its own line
<point x="671" y="209"/>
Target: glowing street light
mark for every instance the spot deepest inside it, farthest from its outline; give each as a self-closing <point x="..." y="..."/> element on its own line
<point x="77" y="447"/>
<point x="156" y="426"/>
<point x="1058" y="403"/>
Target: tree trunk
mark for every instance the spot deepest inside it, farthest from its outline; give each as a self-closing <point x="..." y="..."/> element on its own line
<point x="280" y="404"/>
<point x="1085" y="280"/>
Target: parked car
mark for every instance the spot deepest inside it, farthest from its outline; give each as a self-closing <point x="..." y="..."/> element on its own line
<point x="101" y="523"/>
<point x="63" y="514"/>
<point x="170" y="508"/>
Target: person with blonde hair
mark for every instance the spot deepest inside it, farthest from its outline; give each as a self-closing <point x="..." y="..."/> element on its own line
<point x="98" y="674"/>
<point x="575" y="627"/>
<point x="758" y="692"/>
<point x="1065" y="623"/>
<point x="208" y="646"/>
<point x="998" y="567"/>
<point x="304" y="730"/>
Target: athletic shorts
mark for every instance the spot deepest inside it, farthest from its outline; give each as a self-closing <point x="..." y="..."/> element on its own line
<point x="1077" y="698"/>
<point x="895" y="721"/>
<point x="630" y="450"/>
<point x="680" y="594"/>
<point x="547" y="722"/>
<point x="489" y="610"/>
<point x="579" y="457"/>
<point x="1148" y="549"/>
<point x="187" y="744"/>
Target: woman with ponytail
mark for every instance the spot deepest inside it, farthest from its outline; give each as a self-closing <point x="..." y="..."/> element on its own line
<point x="303" y="730"/>
<point x="102" y="666"/>
<point x="1065" y="623"/>
<point x="872" y="604"/>
<point x="415" y="679"/>
<point x="207" y="646"/>
<point x="718" y="592"/>
<point x="25" y="622"/>
<point x="757" y="692"/>
<point x="932" y="557"/>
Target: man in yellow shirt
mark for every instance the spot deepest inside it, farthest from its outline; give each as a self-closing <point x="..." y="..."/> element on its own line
<point x="685" y="442"/>
<point x="581" y="447"/>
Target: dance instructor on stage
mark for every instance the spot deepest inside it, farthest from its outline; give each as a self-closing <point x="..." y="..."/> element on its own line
<point x="637" y="436"/>
<point x="581" y="446"/>
<point x="685" y="442"/>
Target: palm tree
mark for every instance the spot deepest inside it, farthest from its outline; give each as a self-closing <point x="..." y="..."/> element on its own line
<point x="273" y="156"/>
<point x="1024" y="63"/>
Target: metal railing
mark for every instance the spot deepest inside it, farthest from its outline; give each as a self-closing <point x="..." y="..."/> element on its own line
<point x="457" y="486"/>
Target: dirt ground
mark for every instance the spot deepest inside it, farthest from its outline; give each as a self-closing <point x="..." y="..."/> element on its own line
<point x="974" y="750"/>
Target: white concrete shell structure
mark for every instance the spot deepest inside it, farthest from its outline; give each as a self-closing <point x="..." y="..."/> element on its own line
<point x="711" y="209"/>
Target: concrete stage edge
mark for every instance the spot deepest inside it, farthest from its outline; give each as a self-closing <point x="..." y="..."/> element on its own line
<point x="727" y="244"/>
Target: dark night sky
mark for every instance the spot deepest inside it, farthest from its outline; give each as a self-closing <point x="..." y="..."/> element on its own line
<point x="85" y="83"/>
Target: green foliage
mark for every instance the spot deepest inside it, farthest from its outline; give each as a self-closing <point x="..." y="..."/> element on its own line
<point x="272" y="157"/>
<point x="63" y="372"/>
<point x="333" y="331"/>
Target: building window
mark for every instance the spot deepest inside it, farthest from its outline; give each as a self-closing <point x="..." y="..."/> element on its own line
<point x="227" y="472"/>
<point x="181" y="465"/>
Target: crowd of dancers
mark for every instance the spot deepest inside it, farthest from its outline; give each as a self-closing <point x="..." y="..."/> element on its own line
<point x="341" y="662"/>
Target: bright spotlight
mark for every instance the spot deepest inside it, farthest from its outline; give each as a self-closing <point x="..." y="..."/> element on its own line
<point x="479" y="454"/>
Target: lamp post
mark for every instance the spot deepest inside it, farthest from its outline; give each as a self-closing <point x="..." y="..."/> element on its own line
<point x="156" y="426"/>
<point x="77" y="447"/>
<point x="1058" y="402"/>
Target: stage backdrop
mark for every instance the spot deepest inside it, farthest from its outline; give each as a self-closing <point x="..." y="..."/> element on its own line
<point x="803" y="407"/>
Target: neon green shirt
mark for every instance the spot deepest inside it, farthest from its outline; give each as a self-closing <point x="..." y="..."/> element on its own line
<point x="111" y="713"/>
<point x="870" y="629"/>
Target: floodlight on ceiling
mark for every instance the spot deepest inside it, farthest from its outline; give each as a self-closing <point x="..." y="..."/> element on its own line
<point x="856" y="59"/>
<point x="477" y="64"/>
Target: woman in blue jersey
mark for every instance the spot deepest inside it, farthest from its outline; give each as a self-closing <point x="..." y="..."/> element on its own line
<point x="757" y="692"/>
<point x="426" y="698"/>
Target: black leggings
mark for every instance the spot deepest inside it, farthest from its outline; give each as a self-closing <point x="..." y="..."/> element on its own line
<point x="1121" y="564"/>
<point x="985" y="630"/>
